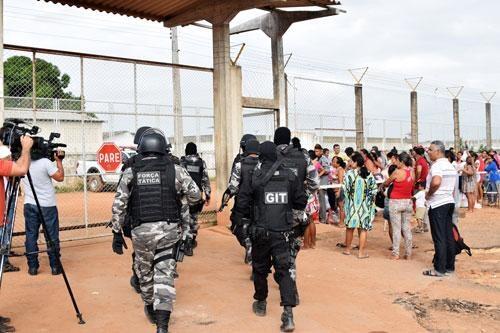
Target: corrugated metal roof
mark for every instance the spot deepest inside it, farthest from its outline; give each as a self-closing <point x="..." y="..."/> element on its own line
<point x="155" y="10"/>
<point x="192" y="10"/>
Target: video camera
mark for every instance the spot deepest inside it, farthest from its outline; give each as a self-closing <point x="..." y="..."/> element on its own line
<point x="14" y="129"/>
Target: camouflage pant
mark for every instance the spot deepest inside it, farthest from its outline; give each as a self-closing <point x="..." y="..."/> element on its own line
<point x="194" y="211"/>
<point x="154" y="262"/>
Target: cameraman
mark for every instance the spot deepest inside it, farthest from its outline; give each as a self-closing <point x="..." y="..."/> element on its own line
<point x="42" y="172"/>
<point x="9" y="168"/>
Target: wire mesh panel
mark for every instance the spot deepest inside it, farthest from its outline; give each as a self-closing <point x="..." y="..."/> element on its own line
<point x="95" y="100"/>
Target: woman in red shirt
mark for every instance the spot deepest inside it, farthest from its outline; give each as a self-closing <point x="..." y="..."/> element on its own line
<point x="421" y="166"/>
<point x="400" y="204"/>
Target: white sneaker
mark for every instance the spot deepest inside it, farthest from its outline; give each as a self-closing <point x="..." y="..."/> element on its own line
<point x="478" y="206"/>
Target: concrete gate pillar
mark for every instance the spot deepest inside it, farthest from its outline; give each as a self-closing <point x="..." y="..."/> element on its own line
<point x="358" y="105"/>
<point x="227" y="110"/>
<point x="279" y="79"/>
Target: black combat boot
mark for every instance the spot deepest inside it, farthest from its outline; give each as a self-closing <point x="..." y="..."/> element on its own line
<point x="188" y="250"/>
<point x="287" y="324"/>
<point x="195" y="243"/>
<point x="259" y="308"/>
<point x="150" y="313"/>
<point x="162" y="319"/>
<point x="134" y="283"/>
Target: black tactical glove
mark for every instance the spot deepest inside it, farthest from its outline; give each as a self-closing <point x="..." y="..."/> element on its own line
<point x="299" y="230"/>
<point x="118" y="243"/>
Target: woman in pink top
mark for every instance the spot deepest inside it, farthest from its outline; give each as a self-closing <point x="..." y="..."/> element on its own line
<point x="401" y="205"/>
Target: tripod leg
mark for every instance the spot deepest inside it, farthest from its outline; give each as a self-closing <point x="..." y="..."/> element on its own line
<point x="50" y="244"/>
<point x="10" y="207"/>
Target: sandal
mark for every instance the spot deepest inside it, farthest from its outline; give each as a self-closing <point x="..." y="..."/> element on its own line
<point x="364" y="257"/>
<point x="355" y="247"/>
<point x="432" y="272"/>
<point x="341" y="245"/>
<point x="346" y="253"/>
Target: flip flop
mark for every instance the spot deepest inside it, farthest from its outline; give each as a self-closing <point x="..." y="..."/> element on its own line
<point x="346" y="253"/>
<point x="341" y="245"/>
<point x="364" y="257"/>
<point x="431" y="272"/>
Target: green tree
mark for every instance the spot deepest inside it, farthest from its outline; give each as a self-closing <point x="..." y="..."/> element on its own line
<point x="18" y="81"/>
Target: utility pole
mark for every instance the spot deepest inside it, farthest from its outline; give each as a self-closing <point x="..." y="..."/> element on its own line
<point x="176" y="83"/>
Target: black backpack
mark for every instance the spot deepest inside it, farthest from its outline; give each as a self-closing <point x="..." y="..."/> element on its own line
<point x="459" y="242"/>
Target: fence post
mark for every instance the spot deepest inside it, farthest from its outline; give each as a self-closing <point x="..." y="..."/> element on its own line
<point x="84" y="157"/>
<point x="413" y="109"/>
<point x="401" y="133"/>
<point x="384" y="141"/>
<point x="488" y="96"/>
<point x="343" y="132"/>
<point x="488" y="125"/>
<point x="135" y="98"/>
<point x="358" y="95"/>
<point x="414" y="118"/>
<point x="33" y="84"/>
<point x="455" y="92"/>
<point x="176" y="83"/>
<point x="456" y="124"/>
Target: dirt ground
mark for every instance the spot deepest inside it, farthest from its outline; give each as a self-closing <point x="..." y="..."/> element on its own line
<point x="214" y="294"/>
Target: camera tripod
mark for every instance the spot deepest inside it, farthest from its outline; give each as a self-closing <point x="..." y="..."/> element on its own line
<point x="5" y="239"/>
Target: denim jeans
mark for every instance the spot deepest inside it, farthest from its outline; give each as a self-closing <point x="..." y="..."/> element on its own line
<point x="33" y="223"/>
<point x="442" y="235"/>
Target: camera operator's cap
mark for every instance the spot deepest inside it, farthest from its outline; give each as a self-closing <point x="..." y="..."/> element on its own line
<point x="4" y="152"/>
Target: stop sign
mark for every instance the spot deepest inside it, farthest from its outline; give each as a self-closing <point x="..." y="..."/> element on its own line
<point x="109" y="157"/>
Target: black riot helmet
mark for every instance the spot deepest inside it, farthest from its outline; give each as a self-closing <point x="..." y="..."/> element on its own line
<point x="245" y="138"/>
<point x="152" y="141"/>
<point x="139" y="133"/>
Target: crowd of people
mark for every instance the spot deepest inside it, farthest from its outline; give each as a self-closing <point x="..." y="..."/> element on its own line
<point x="281" y="191"/>
<point x="396" y="182"/>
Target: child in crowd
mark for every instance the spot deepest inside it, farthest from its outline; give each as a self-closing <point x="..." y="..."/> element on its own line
<point x="420" y="208"/>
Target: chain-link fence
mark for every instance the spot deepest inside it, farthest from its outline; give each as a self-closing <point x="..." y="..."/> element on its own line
<point x="323" y="111"/>
<point x="90" y="100"/>
<point x="94" y="99"/>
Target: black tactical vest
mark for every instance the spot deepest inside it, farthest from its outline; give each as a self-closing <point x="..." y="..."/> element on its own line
<point x="294" y="160"/>
<point x="273" y="209"/>
<point x="194" y="166"/>
<point x="248" y="164"/>
<point x="153" y="194"/>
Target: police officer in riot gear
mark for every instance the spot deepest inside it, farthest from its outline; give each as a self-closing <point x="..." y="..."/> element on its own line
<point x="197" y="169"/>
<point x="234" y="180"/>
<point x="240" y="227"/>
<point x="274" y="191"/>
<point x="156" y="193"/>
<point x="299" y="162"/>
<point x="243" y="151"/>
<point x="127" y="231"/>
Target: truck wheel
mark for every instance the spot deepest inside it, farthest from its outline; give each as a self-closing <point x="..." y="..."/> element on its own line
<point x="95" y="184"/>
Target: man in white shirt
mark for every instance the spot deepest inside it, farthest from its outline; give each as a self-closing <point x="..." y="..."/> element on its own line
<point x="441" y="182"/>
<point x="42" y="172"/>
